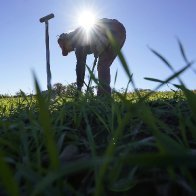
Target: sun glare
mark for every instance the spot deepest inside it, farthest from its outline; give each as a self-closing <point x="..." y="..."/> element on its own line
<point x="86" y="19"/>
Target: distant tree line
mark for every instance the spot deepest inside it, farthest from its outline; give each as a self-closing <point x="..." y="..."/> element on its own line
<point x="70" y="90"/>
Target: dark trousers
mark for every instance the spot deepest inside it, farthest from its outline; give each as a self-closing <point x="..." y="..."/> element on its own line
<point x="107" y="58"/>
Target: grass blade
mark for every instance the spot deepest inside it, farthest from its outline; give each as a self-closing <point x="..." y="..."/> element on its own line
<point x="45" y="122"/>
<point x="182" y="51"/>
<point x="171" y="77"/>
<point x="163" y="59"/>
<point x="155" y="80"/>
<point x="115" y="78"/>
<point x="7" y="178"/>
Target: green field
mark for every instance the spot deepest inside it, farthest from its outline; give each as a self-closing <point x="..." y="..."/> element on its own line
<point x="133" y="143"/>
<point x="123" y="145"/>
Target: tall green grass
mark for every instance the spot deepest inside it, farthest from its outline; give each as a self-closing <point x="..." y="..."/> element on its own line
<point x="132" y="143"/>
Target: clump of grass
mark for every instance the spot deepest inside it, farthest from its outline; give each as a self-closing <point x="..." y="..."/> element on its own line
<point x="131" y="143"/>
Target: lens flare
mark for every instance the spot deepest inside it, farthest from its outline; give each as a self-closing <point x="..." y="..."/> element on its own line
<point x="86" y="19"/>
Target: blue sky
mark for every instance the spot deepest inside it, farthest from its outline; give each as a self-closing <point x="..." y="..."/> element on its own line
<point x="149" y="23"/>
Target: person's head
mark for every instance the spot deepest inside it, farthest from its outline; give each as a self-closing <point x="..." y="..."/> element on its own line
<point x="65" y="44"/>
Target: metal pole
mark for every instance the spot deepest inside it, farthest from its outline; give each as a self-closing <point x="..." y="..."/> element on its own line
<point x="45" y="19"/>
<point x="48" y="57"/>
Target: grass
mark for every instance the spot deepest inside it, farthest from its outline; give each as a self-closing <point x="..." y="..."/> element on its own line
<point x="130" y="144"/>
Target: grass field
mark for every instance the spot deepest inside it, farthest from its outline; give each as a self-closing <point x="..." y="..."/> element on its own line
<point x="140" y="143"/>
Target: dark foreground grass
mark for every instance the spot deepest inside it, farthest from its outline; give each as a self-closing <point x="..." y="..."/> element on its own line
<point x="141" y="143"/>
<point x="97" y="146"/>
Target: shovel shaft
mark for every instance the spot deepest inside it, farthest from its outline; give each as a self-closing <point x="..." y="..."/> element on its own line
<point x="47" y="56"/>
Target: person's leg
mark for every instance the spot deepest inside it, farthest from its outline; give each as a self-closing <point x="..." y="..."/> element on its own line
<point x="80" y="67"/>
<point x="80" y="72"/>
<point x="104" y="63"/>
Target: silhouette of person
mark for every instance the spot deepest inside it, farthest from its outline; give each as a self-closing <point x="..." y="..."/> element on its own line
<point x="97" y="41"/>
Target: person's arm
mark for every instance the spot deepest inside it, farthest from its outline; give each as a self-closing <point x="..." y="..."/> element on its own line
<point x="81" y="55"/>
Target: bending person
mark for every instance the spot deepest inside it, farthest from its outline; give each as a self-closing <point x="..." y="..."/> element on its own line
<point x="97" y="41"/>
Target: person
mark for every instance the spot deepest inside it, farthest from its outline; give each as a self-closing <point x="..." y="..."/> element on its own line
<point x="100" y="41"/>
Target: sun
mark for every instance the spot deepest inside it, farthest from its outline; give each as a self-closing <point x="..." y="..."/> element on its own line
<point x="87" y="20"/>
